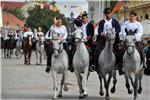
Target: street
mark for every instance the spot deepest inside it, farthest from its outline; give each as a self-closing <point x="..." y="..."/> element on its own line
<point x="31" y="82"/>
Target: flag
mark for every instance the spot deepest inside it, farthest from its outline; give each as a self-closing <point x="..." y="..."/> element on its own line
<point x="117" y="7"/>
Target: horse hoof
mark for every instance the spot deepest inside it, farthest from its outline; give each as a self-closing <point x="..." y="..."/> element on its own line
<point x="60" y="96"/>
<point x="36" y="63"/>
<point x="101" y="93"/>
<point x="54" y="98"/>
<point x="85" y="95"/>
<point x="140" y="90"/>
<point x="135" y="97"/>
<point x="113" y="90"/>
<point x="65" y="88"/>
<point x="81" y="97"/>
<point x="130" y="91"/>
<point x="107" y="98"/>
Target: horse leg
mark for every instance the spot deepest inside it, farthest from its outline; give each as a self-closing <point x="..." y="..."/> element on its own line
<point x="135" y="87"/>
<point x="107" y="85"/>
<point x="41" y="58"/>
<point x="65" y="80"/>
<point x="79" y="80"/>
<point x="61" y="86"/>
<point x="25" y="58"/>
<point x="101" y="92"/>
<point x="17" y="52"/>
<point x="36" y="52"/>
<point x="9" y="53"/>
<point x="127" y="83"/>
<point x="55" y="88"/>
<point x="85" y="81"/>
<point x="114" y="81"/>
<point x="4" y="53"/>
<point x="29" y="58"/>
<point x="140" y="85"/>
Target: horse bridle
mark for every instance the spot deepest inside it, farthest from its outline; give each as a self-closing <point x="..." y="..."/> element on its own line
<point x="130" y="46"/>
<point x="59" y="50"/>
<point x="80" y="39"/>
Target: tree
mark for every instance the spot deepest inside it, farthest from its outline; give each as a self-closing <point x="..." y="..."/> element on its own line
<point x="42" y="18"/>
<point x="17" y="12"/>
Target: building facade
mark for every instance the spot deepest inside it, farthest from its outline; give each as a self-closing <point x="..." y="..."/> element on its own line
<point x="142" y="8"/>
<point x="95" y="10"/>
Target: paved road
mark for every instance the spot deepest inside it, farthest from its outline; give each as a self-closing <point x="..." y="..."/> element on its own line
<point x="22" y="82"/>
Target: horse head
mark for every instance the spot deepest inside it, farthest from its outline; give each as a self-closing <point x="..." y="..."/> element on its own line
<point x="78" y="35"/>
<point x="130" y="41"/>
<point x="41" y="39"/>
<point x="57" y="44"/>
<point x="110" y="36"/>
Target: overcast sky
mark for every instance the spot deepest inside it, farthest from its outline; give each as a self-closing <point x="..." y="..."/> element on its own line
<point x="66" y="6"/>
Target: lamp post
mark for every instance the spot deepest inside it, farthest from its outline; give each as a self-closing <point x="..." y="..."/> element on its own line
<point x="71" y="21"/>
<point x="125" y="8"/>
<point x="92" y="12"/>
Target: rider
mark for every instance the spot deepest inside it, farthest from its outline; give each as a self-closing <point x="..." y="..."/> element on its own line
<point x="29" y="32"/>
<point x="62" y="31"/>
<point x="88" y="32"/>
<point x="106" y="24"/>
<point x="133" y="24"/>
<point x="6" y="31"/>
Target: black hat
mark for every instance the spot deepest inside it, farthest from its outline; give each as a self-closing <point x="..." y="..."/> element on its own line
<point x="107" y="10"/>
<point x="85" y="15"/>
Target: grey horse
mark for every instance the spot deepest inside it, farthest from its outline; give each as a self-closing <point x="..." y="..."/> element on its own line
<point x="106" y="62"/>
<point x="132" y="65"/>
<point x="39" y="49"/>
<point x="19" y="52"/>
<point x="81" y="63"/>
<point x="59" y="64"/>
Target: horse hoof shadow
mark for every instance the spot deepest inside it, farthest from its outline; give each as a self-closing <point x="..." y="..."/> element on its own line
<point x="60" y="96"/>
<point x="54" y="98"/>
<point x="81" y="97"/>
<point x="107" y="98"/>
<point x="85" y="95"/>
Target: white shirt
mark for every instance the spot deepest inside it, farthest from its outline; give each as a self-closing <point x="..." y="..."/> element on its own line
<point x="84" y="30"/>
<point x="107" y="26"/>
<point x="132" y="26"/>
<point x="28" y="33"/>
<point x="47" y="36"/>
<point x="37" y="34"/>
<point x="62" y="31"/>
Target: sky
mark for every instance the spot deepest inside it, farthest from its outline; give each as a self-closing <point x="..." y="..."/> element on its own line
<point x="66" y="6"/>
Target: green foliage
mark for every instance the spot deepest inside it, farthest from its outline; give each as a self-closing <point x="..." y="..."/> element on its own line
<point x="43" y="18"/>
<point x="17" y="12"/>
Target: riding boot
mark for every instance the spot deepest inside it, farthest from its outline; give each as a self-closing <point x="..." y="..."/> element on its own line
<point x="49" y="56"/>
<point x="139" y="47"/>
<point x="65" y="45"/>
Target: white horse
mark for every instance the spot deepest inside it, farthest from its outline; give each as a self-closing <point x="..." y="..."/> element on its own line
<point x="59" y="64"/>
<point x="19" y="46"/>
<point x="39" y="49"/>
<point x="81" y="63"/>
<point x="106" y="63"/>
<point x="131" y="65"/>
